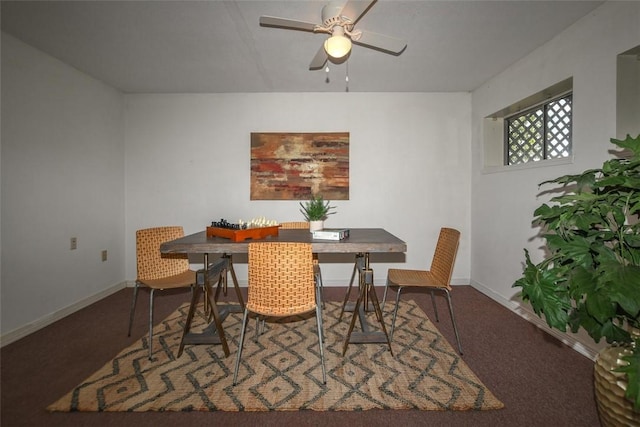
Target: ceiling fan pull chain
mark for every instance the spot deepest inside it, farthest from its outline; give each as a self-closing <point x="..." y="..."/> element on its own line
<point x="327" y="80"/>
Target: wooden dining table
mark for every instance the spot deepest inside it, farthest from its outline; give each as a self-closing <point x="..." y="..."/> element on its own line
<point x="361" y="242"/>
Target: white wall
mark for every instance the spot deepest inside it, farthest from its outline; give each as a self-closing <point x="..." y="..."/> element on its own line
<point x="62" y="177"/>
<point x="188" y="160"/>
<point x="503" y="203"/>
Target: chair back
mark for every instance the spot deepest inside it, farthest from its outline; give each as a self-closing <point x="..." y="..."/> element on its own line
<point x="150" y="263"/>
<point x="281" y="278"/>
<point x="445" y="255"/>
<point x="298" y="225"/>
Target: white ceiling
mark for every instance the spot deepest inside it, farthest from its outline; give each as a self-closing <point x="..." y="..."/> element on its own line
<point x="218" y="46"/>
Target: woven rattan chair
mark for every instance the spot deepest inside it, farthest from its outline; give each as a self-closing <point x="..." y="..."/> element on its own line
<point x="300" y="225"/>
<point x="157" y="271"/>
<point x="281" y="284"/>
<point x="438" y="278"/>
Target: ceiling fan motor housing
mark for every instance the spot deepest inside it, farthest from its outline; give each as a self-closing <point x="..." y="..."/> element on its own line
<point x="331" y="14"/>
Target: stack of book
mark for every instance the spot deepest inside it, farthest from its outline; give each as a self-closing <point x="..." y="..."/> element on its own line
<point x="331" y="234"/>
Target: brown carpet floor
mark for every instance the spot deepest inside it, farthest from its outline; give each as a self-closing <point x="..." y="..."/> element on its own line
<point x="541" y="381"/>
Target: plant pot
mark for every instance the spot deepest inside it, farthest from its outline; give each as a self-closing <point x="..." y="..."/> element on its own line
<point x="614" y="409"/>
<point x="315" y="226"/>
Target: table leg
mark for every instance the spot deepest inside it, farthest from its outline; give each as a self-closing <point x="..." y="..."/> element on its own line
<point x="214" y="333"/>
<point x="366" y="293"/>
<point x="236" y="286"/>
<point x="231" y="307"/>
<point x="359" y="260"/>
<point x="187" y="324"/>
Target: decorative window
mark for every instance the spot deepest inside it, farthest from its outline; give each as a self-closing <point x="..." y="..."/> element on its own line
<point x="539" y="133"/>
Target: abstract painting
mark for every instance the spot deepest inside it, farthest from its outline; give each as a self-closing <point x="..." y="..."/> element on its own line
<point x="297" y="166"/>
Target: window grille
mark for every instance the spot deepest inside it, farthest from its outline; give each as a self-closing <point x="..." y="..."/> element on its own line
<point x="539" y="133"/>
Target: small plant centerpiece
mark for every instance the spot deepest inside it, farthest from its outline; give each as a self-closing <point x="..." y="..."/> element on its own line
<point x="591" y="276"/>
<point x="316" y="210"/>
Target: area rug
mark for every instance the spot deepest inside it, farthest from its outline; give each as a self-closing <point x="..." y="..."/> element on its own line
<point x="282" y="371"/>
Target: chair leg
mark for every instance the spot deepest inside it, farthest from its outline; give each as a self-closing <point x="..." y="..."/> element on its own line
<point x="318" y="276"/>
<point x="259" y="327"/>
<point x="453" y="320"/>
<point x="395" y="313"/>
<point x="151" y="322"/>
<point x="240" y="344"/>
<point x="319" y="298"/>
<point x="384" y="295"/>
<point x="320" y="338"/>
<point x="435" y="308"/>
<point x="257" y="332"/>
<point x="320" y="286"/>
<point x="133" y="307"/>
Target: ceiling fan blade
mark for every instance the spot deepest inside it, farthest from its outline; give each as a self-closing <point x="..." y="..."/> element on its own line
<point x="272" y="21"/>
<point x="381" y="42"/>
<point x="319" y="60"/>
<point x="354" y="9"/>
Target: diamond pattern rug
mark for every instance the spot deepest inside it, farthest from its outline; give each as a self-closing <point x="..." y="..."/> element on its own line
<point x="282" y="371"/>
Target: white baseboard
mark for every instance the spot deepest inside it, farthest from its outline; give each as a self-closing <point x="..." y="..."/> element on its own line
<point x="526" y="313"/>
<point x="47" y="320"/>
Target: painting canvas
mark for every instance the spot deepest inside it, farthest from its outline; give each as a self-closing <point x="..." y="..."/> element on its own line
<point x="295" y="166"/>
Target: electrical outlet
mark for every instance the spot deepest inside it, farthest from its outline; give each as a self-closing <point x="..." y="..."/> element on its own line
<point x="104" y="255"/>
<point x="74" y="243"/>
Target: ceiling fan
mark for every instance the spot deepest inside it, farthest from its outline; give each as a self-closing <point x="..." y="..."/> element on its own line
<point x="339" y="21"/>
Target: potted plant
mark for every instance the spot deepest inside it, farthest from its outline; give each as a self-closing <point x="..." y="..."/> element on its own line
<point x="316" y="210"/>
<point x="590" y="278"/>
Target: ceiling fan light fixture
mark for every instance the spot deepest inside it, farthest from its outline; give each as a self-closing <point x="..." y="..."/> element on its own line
<point x="338" y="45"/>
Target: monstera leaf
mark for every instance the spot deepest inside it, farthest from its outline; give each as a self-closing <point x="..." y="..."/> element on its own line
<point x="591" y="278"/>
